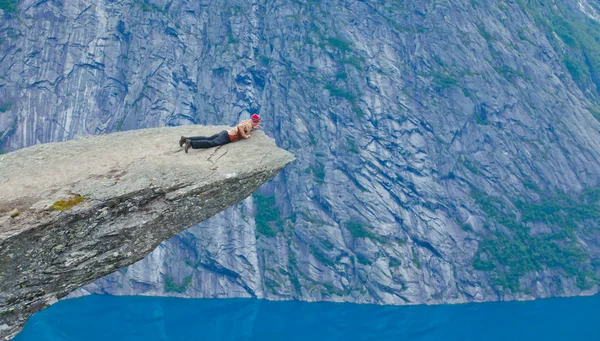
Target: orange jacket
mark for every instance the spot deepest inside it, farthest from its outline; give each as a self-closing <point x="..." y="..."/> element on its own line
<point x="241" y="130"/>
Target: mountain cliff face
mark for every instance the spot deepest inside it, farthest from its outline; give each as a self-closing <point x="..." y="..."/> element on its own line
<point x="447" y="151"/>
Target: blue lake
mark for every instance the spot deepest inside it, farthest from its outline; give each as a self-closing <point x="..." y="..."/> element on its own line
<point x="153" y="318"/>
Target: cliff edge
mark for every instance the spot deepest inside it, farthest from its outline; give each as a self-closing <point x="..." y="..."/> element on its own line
<point x="75" y="211"/>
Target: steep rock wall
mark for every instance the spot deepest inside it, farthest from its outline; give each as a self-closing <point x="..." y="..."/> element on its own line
<point x="444" y="148"/>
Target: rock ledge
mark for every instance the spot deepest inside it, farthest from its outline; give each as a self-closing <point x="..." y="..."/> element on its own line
<point x="76" y="211"/>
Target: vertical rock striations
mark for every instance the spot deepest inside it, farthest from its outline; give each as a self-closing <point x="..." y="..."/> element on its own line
<point x="447" y="150"/>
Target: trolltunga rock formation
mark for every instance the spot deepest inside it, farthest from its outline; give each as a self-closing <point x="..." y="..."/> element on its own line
<point x="76" y="211"/>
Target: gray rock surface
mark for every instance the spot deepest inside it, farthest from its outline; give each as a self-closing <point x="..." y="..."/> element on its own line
<point x="444" y="148"/>
<point x="90" y="206"/>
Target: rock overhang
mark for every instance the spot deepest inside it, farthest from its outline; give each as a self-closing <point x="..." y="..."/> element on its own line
<point x="89" y="206"/>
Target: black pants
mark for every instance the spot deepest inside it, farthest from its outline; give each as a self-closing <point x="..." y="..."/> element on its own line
<point x="218" y="139"/>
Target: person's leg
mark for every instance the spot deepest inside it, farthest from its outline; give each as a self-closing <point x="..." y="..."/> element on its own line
<point x="222" y="138"/>
<point x="203" y="137"/>
<point x="196" y="138"/>
<point x="199" y="144"/>
<point x="216" y="140"/>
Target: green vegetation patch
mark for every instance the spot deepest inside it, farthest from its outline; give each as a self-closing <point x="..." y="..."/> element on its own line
<point x="362" y="259"/>
<point x="359" y="230"/>
<point x="171" y="286"/>
<point x="393" y="262"/>
<point x="470" y="166"/>
<point x="358" y="111"/>
<point x="445" y="81"/>
<point x="341" y="75"/>
<point x="271" y="285"/>
<point x="509" y="73"/>
<point x="352" y="146"/>
<point x="340" y="44"/>
<point x="62" y="205"/>
<point x="579" y="33"/>
<point x="563" y="210"/>
<point x="508" y="258"/>
<point x="147" y="7"/>
<point x="485" y="34"/>
<point x="327" y="244"/>
<point x="318" y="172"/>
<point x="321" y="257"/>
<point x="338" y="92"/>
<point x="230" y="38"/>
<point x="268" y="218"/>
<point x="264" y="60"/>
<point x="9" y="6"/>
<point x="466" y="228"/>
<point x="295" y="283"/>
<point x="6" y="106"/>
<point x="331" y="289"/>
<point x="357" y="62"/>
<point x="120" y="124"/>
<point x="292" y="263"/>
<point x="416" y="259"/>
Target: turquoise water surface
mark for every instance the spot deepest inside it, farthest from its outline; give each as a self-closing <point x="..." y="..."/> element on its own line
<point x="153" y="318"/>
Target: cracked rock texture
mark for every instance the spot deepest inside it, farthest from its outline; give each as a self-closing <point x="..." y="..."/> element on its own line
<point x="447" y="151"/>
<point x="123" y="194"/>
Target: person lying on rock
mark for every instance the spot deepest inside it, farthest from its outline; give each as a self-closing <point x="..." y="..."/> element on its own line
<point x="242" y="130"/>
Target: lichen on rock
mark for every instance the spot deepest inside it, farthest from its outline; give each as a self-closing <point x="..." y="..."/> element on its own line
<point x="67" y="204"/>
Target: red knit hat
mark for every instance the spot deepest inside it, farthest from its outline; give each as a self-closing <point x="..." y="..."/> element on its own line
<point x="256" y="118"/>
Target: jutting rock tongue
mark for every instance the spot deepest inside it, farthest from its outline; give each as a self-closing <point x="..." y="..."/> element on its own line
<point x="76" y="211"/>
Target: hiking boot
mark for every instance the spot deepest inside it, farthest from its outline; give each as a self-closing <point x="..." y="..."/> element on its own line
<point x="182" y="141"/>
<point x="188" y="145"/>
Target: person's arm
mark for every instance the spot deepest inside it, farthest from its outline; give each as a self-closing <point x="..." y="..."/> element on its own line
<point x="244" y="131"/>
